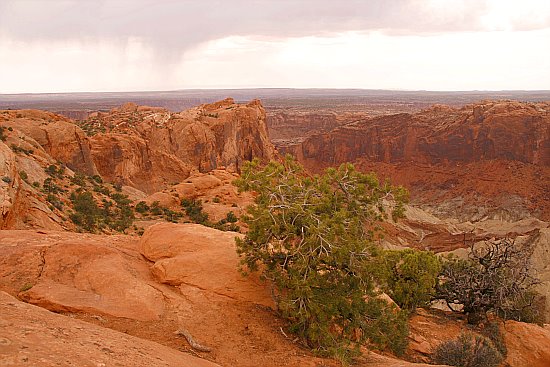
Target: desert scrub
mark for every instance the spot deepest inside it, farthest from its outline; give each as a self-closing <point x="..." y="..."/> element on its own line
<point x="54" y="171"/>
<point x="409" y="276"/>
<point x="142" y="207"/>
<point x="193" y="209"/>
<point x="495" y="278"/>
<point x="468" y="350"/>
<point x="114" y="213"/>
<point x="18" y="149"/>
<point x="23" y="175"/>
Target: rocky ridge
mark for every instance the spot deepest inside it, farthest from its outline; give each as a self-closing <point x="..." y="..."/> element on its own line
<point x="150" y="148"/>
<point x="147" y="149"/>
<point x="502" y="149"/>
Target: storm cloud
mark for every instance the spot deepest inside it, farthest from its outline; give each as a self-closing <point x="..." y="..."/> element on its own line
<point x="71" y="45"/>
<point x="178" y="25"/>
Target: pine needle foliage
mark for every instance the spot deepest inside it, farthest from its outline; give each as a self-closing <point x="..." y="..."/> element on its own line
<point x="313" y="237"/>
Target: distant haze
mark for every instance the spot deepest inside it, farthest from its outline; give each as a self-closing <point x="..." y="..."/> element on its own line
<point x="131" y="45"/>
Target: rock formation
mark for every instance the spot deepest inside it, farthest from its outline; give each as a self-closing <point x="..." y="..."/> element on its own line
<point x="288" y="128"/>
<point x="57" y="135"/>
<point x="152" y="148"/>
<point x="145" y="148"/>
<point x="502" y="149"/>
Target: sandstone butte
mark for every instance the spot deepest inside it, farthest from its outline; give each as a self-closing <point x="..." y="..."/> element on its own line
<point x="102" y="299"/>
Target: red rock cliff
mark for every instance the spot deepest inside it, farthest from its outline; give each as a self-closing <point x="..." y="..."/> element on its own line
<point x="491" y="154"/>
<point x="151" y="148"/>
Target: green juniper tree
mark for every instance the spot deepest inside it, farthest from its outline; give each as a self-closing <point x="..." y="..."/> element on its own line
<point x="313" y="237"/>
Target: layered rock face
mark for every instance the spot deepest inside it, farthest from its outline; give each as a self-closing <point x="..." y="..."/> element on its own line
<point x="152" y="148"/>
<point x="490" y="146"/>
<point x="148" y="149"/>
<point x="493" y="130"/>
<point x="57" y="135"/>
<point x="288" y="128"/>
<point x="23" y="161"/>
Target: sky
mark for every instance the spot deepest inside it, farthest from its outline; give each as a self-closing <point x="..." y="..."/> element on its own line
<point x="140" y="45"/>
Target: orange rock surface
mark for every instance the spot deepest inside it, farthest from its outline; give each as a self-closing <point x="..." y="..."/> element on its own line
<point x="490" y="155"/>
<point x="151" y="148"/>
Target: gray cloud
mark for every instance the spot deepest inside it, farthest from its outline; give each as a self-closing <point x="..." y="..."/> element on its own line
<point x="178" y="25"/>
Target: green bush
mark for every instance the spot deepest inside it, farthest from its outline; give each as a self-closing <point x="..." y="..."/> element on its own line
<point x="231" y="218"/>
<point x="142" y="207"/>
<point x="193" y="209"/>
<point x="409" y="276"/>
<point x="117" y="214"/>
<point x="23" y="175"/>
<point x="312" y="238"/>
<point x="102" y="190"/>
<point x="171" y="215"/>
<point x="86" y="210"/>
<point x="469" y="350"/>
<point x="49" y="186"/>
<point x="78" y="179"/>
<point x="51" y="170"/>
<point x="6" y="179"/>
<point x="97" y="179"/>
<point x="156" y="209"/>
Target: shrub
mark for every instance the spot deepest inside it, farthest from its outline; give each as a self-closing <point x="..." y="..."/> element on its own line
<point x="86" y="210"/>
<point x="49" y="186"/>
<point x="231" y="217"/>
<point x="468" y="350"/>
<point x="2" y="136"/>
<point x="142" y="207"/>
<point x="55" y="201"/>
<point x="232" y="227"/>
<point x="529" y="306"/>
<point x="216" y="200"/>
<point x="6" y="179"/>
<point x="78" y="179"/>
<point x="102" y="189"/>
<point x="156" y="209"/>
<point x="97" y="179"/>
<point x="193" y="209"/>
<point x="171" y="215"/>
<point x="495" y="278"/>
<point x="23" y="175"/>
<point x="117" y="215"/>
<point x="409" y="276"/>
<point x="492" y="331"/>
<point x="312" y="238"/>
<point x="51" y="170"/>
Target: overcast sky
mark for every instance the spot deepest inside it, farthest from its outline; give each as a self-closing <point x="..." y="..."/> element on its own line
<point x="132" y="45"/>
